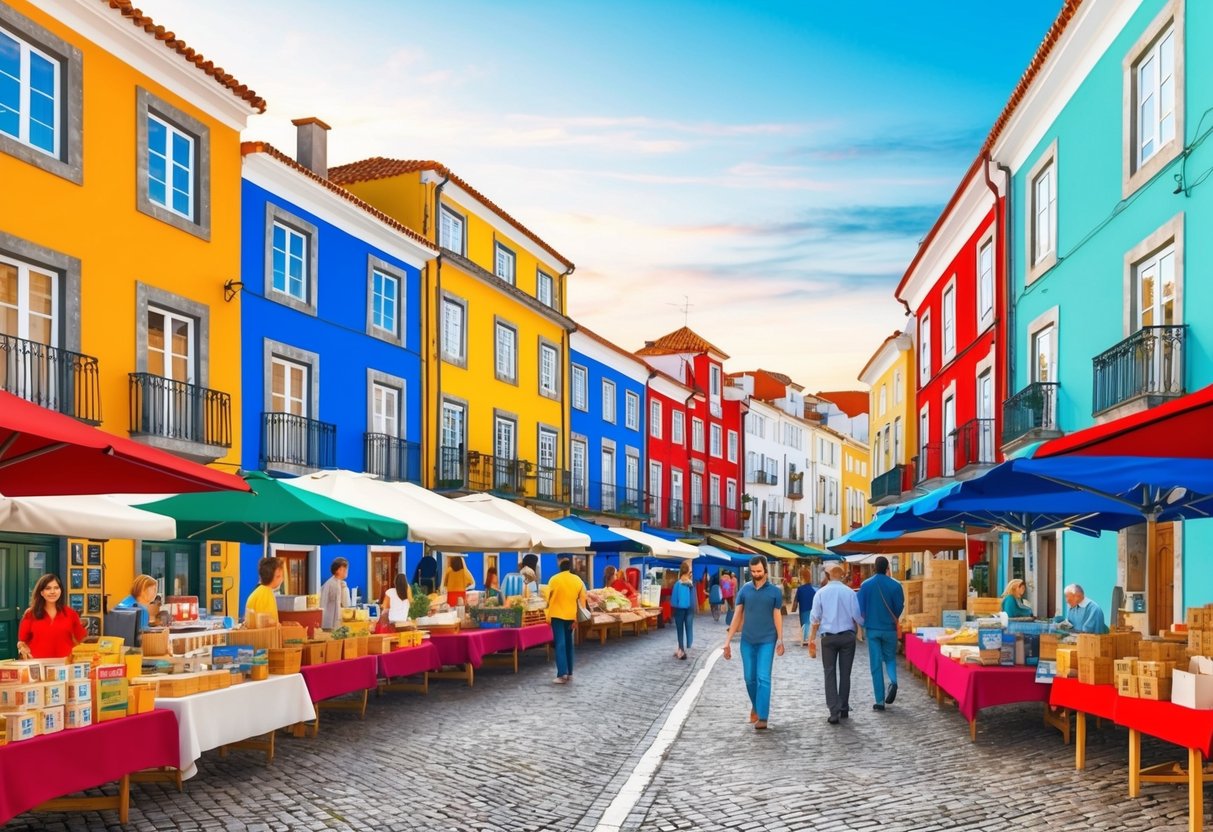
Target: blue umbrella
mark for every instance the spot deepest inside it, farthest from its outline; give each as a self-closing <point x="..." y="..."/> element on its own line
<point x="602" y="539"/>
<point x="874" y="537"/>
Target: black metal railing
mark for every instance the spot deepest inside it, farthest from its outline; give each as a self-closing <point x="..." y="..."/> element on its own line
<point x="579" y="493"/>
<point x="287" y="439"/>
<point x="1033" y="408"/>
<point x="973" y="444"/>
<point x="723" y="517"/>
<point x="452" y="468"/>
<point x="553" y="484"/>
<point x="763" y="478"/>
<point x="60" y="380"/>
<point x="1150" y="362"/>
<point x="604" y="496"/>
<point x="497" y="474"/>
<point x="929" y="462"/>
<point x="675" y="514"/>
<point x="699" y="514"/>
<point x="633" y="501"/>
<point x="888" y="485"/>
<point x="391" y="458"/>
<point x="796" y="486"/>
<point x="173" y="409"/>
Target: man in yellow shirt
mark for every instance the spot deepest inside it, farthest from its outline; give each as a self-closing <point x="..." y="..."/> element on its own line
<point x="566" y="595"/>
<point x="262" y="599"/>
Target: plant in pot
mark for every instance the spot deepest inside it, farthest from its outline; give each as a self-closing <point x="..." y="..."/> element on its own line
<point x="746" y="499"/>
<point x="419" y="607"/>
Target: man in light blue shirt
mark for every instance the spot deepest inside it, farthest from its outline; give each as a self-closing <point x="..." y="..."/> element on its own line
<point x="1082" y="615"/>
<point x="836" y="614"/>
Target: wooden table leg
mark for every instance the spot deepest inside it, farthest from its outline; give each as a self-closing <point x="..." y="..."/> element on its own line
<point x="1134" y="762"/>
<point x="362" y="713"/>
<point x="124" y="797"/>
<point x="1080" y="740"/>
<point x="973" y="729"/>
<point x="515" y="659"/>
<point x="1196" y="790"/>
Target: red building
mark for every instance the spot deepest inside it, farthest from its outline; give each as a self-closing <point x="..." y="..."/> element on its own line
<point x="702" y="464"/>
<point x="954" y="288"/>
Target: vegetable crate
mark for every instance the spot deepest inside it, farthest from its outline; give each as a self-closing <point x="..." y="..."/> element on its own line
<point x="285" y="660"/>
<point x="501" y="616"/>
<point x="409" y="638"/>
<point x="534" y="617"/>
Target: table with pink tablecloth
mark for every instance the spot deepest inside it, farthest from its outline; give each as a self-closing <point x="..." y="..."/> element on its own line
<point x="471" y="646"/>
<point x="534" y="635"/>
<point x="43" y="768"/>
<point x="922" y="654"/>
<point x="326" y="681"/>
<point x="409" y="661"/>
<point x="975" y="687"/>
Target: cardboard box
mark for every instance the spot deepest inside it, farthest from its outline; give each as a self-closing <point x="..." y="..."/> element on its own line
<point x="1192" y="689"/>
<point x="154" y="642"/>
<point x="78" y="715"/>
<point x="1151" y="687"/>
<point x="1197" y="618"/>
<point x="54" y="670"/>
<point x="1126" y="667"/>
<point x="141" y="699"/>
<point x="21" y="697"/>
<point x="1048" y="646"/>
<point x="1159" y="670"/>
<point x="913" y="596"/>
<point x="1126" y="685"/>
<point x="20" y="725"/>
<point x="1096" y="671"/>
<point x="984" y="606"/>
<point x="1196" y="640"/>
<point x="77" y="671"/>
<point x="1125" y="643"/>
<point x="51" y="720"/>
<point x="1092" y="646"/>
<point x="80" y="691"/>
<point x="1067" y="661"/>
<point x="53" y="694"/>
<point x="954" y="619"/>
<point x="1156" y="650"/>
<point x="109" y="692"/>
<point x="20" y="673"/>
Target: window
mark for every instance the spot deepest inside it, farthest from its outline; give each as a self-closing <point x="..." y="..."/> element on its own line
<point x="505" y="343"/>
<point x="714" y="381"/>
<point x="716" y="438"/>
<point x="730" y="494"/>
<point x="1042" y="214"/>
<point x="174" y="165"/>
<point x="385" y="300"/>
<point x="896" y="441"/>
<point x="170" y="345"/>
<point x="454" y="344"/>
<point x="505" y="263"/>
<point x="1044" y="352"/>
<point x="549" y="370"/>
<point x="290" y="262"/>
<point x="631" y="410"/>
<point x="1153" y="81"/>
<point x="385" y="413"/>
<point x="289" y="387"/>
<point x="677" y="427"/>
<point x="1154" y="97"/>
<point x="655" y="491"/>
<point x="608" y="401"/>
<point x="949" y="428"/>
<point x="949" y="322"/>
<point x="580" y="388"/>
<point x="451" y="437"/>
<point x="28" y="304"/>
<point x="543" y="289"/>
<point x="897" y="387"/>
<point x="924" y="348"/>
<point x="170" y="167"/>
<point x="733" y="440"/>
<point x="1154" y="289"/>
<point x="450" y="231"/>
<point x="985" y="285"/>
<point x="655" y="419"/>
<point x="505" y="451"/>
<point x="546" y="485"/>
<point x="696" y="434"/>
<point x="631" y="480"/>
<point x="884" y="398"/>
<point x="578" y="451"/>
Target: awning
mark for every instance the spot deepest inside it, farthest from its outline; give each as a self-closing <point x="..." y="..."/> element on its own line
<point x="547" y="535"/>
<point x="602" y="539"/>
<point x="873" y="538"/>
<point x="713" y="554"/>
<point x="87" y="515"/>
<point x="748" y="545"/>
<point x="666" y="533"/>
<point x="804" y="550"/>
<point x="659" y="546"/>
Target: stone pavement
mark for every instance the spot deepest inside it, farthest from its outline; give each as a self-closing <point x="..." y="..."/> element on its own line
<point x="516" y="752"/>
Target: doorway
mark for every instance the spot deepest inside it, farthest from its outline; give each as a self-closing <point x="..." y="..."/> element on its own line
<point x="175" y="566"/>
<point x="385" y="566"/>
<point x="1047" y="590"/>
<point x="1162" y="578"/>
<point x="295" y="570"/>
<point x="22" y="563"/>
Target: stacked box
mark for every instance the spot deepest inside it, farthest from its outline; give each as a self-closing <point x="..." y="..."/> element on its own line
<point x="109" y="692"/>
<point x="1092" y="646"/>
<point x="51" y="720"/>
<point x="913" y="596"/>
<point x="1155" y="650"/>
<point x="21" y="697"/>
<point x="1126" y="685"/>
<point x="1126" y="667"/>
<point x="78" y="715"/>
<point x="1152" y="687"/>
<point x="1096" y="671"/>
<point x="922" y="619"/>
<point x="20" y="673"/>
<point x="934" y="597"/>
<point x="955" y="576"/>
<point x="53" y="694"/>
<point x="80" y="691"/>
<point x="1159" y="670"/>
<point x="1048" y="646"/>
<point x="979" y="607"/>
<point x="20" y="725"/>
<point x="54" y="670"/>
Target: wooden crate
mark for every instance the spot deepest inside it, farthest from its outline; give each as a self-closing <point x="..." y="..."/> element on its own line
<point x="154" y="643"/>
<point x="1097" y="671"/>
<point x="285" y="660"/>
<point x="292" y="632"/>
<point x="313" y="653"/>
<point x="530" y="617"/>
<point x="259" y="673"/>
<point x="985" y="606"/>
<point x="185" y="684"/>
<point x="332" y="651"/>
<point x="409" y="638"/>
<point x="349" y="648"/>
<point x="1152" y="687"/>
<point x="380" y="643"/>
<point x="261" y="638"/>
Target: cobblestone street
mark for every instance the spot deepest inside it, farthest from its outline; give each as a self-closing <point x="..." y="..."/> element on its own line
<point x="519" y="753"/>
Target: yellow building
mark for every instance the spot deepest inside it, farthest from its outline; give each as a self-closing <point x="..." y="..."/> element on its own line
<point x="856" y="485"/>
<point x="889" y="375"/>
<point x="495" y="334"/>
<point x="119" y="225"/>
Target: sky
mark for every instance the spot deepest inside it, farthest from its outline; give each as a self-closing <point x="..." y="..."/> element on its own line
<point x="762" y="171"/>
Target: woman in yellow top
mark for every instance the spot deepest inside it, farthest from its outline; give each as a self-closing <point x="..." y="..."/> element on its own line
<point x="457" y="580"/>
<point x="262" y="599"/>
<point x="566" y="595"/>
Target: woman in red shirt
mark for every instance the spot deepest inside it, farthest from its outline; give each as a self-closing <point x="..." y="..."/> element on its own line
<point x="48" y="630"/>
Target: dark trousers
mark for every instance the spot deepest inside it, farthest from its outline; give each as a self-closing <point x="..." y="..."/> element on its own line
<point x="837" y="655"/>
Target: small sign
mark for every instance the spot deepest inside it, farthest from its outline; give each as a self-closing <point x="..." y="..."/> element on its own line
<point x="94" y="554"/>
<point x="1046" y="670"/>
<point x="77" y="554"/>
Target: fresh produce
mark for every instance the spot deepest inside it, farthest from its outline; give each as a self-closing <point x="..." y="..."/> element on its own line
<point x="340" y="633"/>
<point x="420" y="607"/>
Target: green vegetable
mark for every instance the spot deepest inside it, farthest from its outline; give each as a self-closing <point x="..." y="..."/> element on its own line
<point x="340" y="633"/>
<point x="419" y="607"/>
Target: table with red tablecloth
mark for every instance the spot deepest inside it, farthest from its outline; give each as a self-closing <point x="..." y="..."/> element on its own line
<point x="535" y="635"/>
<point x="1073" y="695"/>
<point x="326" y="682"/>
<point x="467" y="650"/>
<point x="38" y="770"/>
<point x="409" y="661"/>
<point x="975" y="687"/>
<point x="922" y="654"/>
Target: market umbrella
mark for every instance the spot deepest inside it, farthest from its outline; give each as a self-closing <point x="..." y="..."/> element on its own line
<point x="602" y="539"/>
<point x="659" y="546"/>
<point x="273" y="511"/>
<point x="86" y="515"/>
<point x="44" y="453"/>
<point x="874" y="538"/>
<point x="432" y="519"/>
<point x="546" y="535"/>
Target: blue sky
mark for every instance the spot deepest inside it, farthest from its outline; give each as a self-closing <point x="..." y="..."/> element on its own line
<point x="775" y="162"/>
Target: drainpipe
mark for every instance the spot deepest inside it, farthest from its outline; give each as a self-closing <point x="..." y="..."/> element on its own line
<point x="438" y="309"/>
<point x="567" y="346"/>
<point x="1002" y="214"/>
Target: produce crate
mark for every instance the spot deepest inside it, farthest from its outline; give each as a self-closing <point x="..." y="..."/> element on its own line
<point x="349" y="648"/>
<point x="285" y="660"/>
<point x="364" y="647"/>
<point x="313" y="653"/>
<point x="409" y="638"/>
<point x="264" y="637"/>
<point x="530" y="617"/>
<point x="378" y="644"/>
<point x="501" y="616"/>
<point x="332" y="651"/>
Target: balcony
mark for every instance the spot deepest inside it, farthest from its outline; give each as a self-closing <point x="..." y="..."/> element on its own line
<point x="928" y="465"/>
<point x="699" y="514"/>
<point x="499" y="475"/>
<point x="297" y="444"/>
<point x="763" y="478"/>
<point x="391" y="458"/>
<point x="511" y="478"/>
<point x="887" y="488"/>
<point x="675" y="516"/>
<point x="59" y="380"/>
<point x="553" y="485"/>
<point x="972" y="447"/>
<point x="185" y="419"/>
<point x="796" y="486"/>
<point x="452" y="469"/>
<point x="1143" y="370"/>
<point x="1030" y="415"/>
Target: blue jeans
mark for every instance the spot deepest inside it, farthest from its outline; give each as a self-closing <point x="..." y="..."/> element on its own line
<point x="882" y="658"/>
<point x="756" y="661"/>
<point x="562" y="642"/>
<point x="805" y="626"/>
<point x="684" y="623"/>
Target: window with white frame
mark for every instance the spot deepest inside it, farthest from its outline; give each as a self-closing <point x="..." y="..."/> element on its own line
<point x="897" y="387"/>
<point x="1154" y="287"/>
<point x="884" y="398"/>
<point x="385" y="413"/>
<point x="454" y="336"/>
<point x="544" y="285"/>
<point x="578" y="456"/>
<point x="716" y="434"/>
<point x="385" y="302"/>
<point x="31" y="92"/>
<point x="1044" y="353"/>
<point x="290" y="387"/>
<point x="949" y="322"/>
<point x="924" y="347"/>
<point x="580" y="381"/>
<point x="985" y="284"/>
<point x="677" y="427"/>
<point x="549" y="370"/>
<point x="714" y="381"/>
<point x="696" y="434"/>
<point x="171" y="165"/>
<point x="631" y="410"/>
<point x="29" y="305"/>
<point x="290" y="262"/>
<point x="505" y="343"/>
<point x="655" y="426"/>
<point x="174" y="165"/>
<point x="450" y="230"/>
<point x="655" y="489"/>
<point x="1043" y="226"/>
<point x="505" y="263"/>
<point x="608" y="401"/>
<point x="733" y="446"/>
<point x="1154" y="97"/>
<point x="730" y="493"/>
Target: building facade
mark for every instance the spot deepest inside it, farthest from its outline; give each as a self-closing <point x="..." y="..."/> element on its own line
<point x="666" y="407"/>
<point x="889" y="376"/>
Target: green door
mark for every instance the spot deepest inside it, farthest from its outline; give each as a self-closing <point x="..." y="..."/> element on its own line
<point x="175" y="565"/>
<point x="22" y="562"/>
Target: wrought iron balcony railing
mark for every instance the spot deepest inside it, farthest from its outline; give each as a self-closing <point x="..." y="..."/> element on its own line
<point x="1149" y="363"/>
<point x="452" y="468"/>
<point x="176" y="410"/>
<point x="57" y="379"/>
<point x="929" y="462"/>
<point x="497" y="474"/>
<point x="675" y="516"/>
<point x="887" y="487"/>
<point x="391" y="458"/>
<point x="553" y="484"/>
<point x="763" y="478"/>
<point x="287" y="439"/>
<point x="1033" y="410"/>
<point x="973" y="444"/>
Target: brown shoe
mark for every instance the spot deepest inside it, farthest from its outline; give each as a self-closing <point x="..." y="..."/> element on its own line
<point x="760" y="725"/>
<point x="753" y="716"/>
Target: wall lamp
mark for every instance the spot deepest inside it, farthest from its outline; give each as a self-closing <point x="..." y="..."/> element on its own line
<point x="230" y="288"/>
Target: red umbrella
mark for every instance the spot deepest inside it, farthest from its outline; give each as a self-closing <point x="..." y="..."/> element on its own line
<point x="43" y="453"/>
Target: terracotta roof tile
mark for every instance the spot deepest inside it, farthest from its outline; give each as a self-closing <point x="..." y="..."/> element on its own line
<point x="679" y="341"/>
<point x="380" y="167"/>
<point x="247" y="148"/>
<point x="171" y="41"/>
<point x="850" y="402"/>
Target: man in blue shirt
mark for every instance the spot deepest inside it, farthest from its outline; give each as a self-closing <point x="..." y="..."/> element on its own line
<point x="1082" y="615"/>
<point x="760" y="619"/>
<point x="836" y="614"/>
<point x="804" y="602"/>
<point x="881" y="601"/>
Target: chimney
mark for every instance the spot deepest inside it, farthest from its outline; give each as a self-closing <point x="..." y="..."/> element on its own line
<point x="311" y="145"/>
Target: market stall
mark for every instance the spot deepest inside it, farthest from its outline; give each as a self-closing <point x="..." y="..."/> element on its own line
<point x="327" y="682"/>
<point x="409" y="661"/>
<point x="975" y="687"/>
<point x="1098" y="701"/>
<point x="466" y="650"/>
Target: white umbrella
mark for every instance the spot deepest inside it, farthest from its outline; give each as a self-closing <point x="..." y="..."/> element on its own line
<point x="431" y="518"/>
<point x="546" y="536"/>
<point x="87" y="515"/>
<point x="659" y="546"/>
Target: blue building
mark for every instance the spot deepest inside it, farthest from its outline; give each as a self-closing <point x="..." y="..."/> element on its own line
<point x="607" y="456"/>
<point x="331" y="345"/>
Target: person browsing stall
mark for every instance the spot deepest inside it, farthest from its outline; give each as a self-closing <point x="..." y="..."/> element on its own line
<point x="264" y="599"/>
<point x="143" y="592"/>
<point x="566" y="595"/>
<point x="334" y="594"/>
<point x="1013" y="602"/>
<point x="457" y="580"/>
<point x="396" y="601"/>
<point x="49" y="629"/>
<point x="1082" y="615"/>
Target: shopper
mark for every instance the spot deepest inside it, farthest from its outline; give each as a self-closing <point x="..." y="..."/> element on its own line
<point x="457" y="580"/>
<point x="396" y="602"/>
<point x="714" y="596"/>
<point x="492" y="592"/>
<point x="760" y="620"/>
<point x="426" y="573"/>
<point x="1013" y="602"/>
<point x="881" y="603"/>
<point x="728" y="589"/>
<point x="566" y="595"/>
<point x="334" y="594"/>
<point x="264" y="599"/>
<point x="803" y="602"/>
<point x="836" y="615"/>
<point x="682" y="602"/>
<point x="143" y="592"/>
<point x="49" y="629"/>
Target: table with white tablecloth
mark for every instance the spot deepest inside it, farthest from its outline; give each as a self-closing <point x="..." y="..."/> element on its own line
<point x="229" y="717"/>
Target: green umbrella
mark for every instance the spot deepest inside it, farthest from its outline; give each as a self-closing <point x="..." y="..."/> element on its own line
<point x="274" y="512"/>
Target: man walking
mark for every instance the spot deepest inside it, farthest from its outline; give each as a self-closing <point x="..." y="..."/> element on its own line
<point x="760" y="619"/>
<point x="881" y="601"/>
<point x="836" y="614"/>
